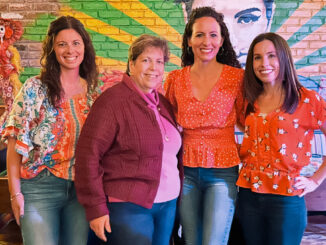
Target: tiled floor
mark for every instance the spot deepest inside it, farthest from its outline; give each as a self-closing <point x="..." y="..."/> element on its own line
<point x="315" y="233"/>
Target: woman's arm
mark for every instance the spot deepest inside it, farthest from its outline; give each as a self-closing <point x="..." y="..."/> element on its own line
<point x="97" y="136"/>
<point x="311" y="183"/>
<point x="13" y="167"/>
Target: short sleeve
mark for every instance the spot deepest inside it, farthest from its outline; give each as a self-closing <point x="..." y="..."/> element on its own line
<point x="23" y="116"/>
<point x="169" y="89"/>
<point x="317" y="108"/>
<point x="240" y="105"/>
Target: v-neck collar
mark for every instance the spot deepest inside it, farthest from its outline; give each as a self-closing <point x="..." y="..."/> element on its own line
<point x="214" y="88"/>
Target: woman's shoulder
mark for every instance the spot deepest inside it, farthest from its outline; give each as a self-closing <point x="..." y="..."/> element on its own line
<point x="234" y="70"/>
<point x="179" y="72"/>
<point x="34" y="81"/>
<point x="33" y="85"/>
<point x="308" y="95"/>
<point x="233" y="76"/>
<point x="177" y="77"/>
<point x="115" y="94"/>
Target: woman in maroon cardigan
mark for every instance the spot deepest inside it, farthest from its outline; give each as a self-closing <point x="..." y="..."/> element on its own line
<point x="128" y="169"/>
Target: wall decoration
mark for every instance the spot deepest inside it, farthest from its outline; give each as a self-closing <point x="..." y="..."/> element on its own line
<point x="10" y="31"/>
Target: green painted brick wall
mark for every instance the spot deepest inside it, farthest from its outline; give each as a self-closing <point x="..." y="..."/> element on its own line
<point x="113" y="24"/>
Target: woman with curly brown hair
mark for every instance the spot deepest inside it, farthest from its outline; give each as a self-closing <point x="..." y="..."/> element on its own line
<point x="207" y="100"/>
<point x="42" y="130"/>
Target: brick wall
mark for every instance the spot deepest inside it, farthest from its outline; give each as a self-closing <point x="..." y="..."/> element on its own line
<point x="114" y="24"/>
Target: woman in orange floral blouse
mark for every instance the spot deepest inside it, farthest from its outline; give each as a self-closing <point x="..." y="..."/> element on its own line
<point x="207" y="97"/>
<point x="281" y="117"/>
<point x="42" y="131"/>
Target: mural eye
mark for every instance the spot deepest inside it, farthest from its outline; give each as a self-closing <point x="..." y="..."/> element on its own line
<point x="248" y="18"/>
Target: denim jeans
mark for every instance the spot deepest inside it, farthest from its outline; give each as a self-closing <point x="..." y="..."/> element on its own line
<point x="207" y="204"/>
<point x="132" y="224"/>
<point x="52" y="213"/>
<point x="271" y="219"/>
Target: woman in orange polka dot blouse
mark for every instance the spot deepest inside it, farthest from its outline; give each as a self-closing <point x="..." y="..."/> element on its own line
<point x="207" y="97"/>
<point x="281" y="117"/>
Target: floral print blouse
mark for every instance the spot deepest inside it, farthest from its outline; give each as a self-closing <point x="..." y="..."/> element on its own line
<point x="46" y="136"/>
<point x="208" y="126"/>
<point x="276" y="146"/>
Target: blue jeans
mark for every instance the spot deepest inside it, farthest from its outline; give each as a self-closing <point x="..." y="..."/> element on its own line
<point x="207" y="204"/>
<point x="52" y="213"/>
<point x="132" y="224"/>
<point x="271" y="219"/>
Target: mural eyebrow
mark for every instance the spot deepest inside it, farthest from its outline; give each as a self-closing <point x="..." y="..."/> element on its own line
<point x="246" y="11"/>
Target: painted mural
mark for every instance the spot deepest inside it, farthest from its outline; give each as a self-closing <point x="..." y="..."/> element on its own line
<point x="114" y="24"/>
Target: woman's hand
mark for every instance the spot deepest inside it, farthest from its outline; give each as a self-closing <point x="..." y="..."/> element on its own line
<point x="99" y="225"/>
<point x="306" y="184"/>
<point x="17" y="205"/>
<point x="14" y="161"/>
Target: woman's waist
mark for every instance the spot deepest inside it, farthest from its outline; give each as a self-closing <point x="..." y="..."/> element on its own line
<point x="210" y="155"/>
<point x="209" y="134"/>
<point x="270" y="170"/>
<point x="272" y="181"/>
<point x="273" y="164"/>
<point x="63" y="170"/>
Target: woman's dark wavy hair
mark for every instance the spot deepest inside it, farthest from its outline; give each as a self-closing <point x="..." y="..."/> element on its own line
<point x="253" y="87"/>
<point x="226" y="54"/>
<point x="50" y="71"/>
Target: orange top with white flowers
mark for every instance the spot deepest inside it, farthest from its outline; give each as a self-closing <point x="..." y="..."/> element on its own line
<point x="276" y="146"/>
<point x="208" y="126"/>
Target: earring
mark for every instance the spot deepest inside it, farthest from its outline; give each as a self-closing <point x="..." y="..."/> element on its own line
<point x="189" y="49"/>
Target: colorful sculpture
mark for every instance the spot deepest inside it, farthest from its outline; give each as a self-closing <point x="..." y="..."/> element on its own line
<point x="10" y="31"/>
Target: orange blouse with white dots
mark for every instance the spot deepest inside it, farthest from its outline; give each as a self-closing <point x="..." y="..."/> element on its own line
<point x="276" y="146"/>
<point x="208" y="126"/>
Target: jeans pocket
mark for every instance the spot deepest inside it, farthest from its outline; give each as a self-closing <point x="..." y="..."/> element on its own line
<point x="42" y="184"/>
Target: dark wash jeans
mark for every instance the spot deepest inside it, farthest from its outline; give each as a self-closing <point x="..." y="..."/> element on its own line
<point x="271" y="219"/>
<point x="132" y="224"/>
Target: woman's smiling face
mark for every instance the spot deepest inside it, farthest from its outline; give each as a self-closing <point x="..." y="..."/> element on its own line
<point x="245" y="19"/>
<point x="266" y="64"/>
<point x="206" y="39"/>
<point x="69" y="49"/>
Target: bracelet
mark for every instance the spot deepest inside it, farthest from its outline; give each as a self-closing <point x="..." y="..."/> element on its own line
<point x="15" y="195"/>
